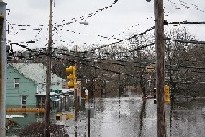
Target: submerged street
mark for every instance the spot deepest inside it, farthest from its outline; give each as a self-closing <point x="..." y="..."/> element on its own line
<point x="102" y="68"/>
<point x="131" y="117"/>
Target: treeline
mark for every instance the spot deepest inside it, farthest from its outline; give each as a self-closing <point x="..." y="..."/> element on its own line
<point x="132" y="62"/>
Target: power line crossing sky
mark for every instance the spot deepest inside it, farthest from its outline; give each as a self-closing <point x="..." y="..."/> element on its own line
<point x="114" y="19"/>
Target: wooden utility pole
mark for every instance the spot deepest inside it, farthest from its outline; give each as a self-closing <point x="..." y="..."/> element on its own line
<point x="2" y="69"/>
<point x="2" y="105"/>
<point x="76" y="94"/>
<point x="89" y="122"/>
<point x="48" y="75"/>
<point x="160" y="50"/>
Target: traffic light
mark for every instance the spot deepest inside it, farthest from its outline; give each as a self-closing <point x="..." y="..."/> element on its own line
<point x="166" y="94"/>
<point x="71" y="76"/>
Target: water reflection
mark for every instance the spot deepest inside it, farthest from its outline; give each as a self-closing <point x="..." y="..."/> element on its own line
<point x="133" y="117"/>
<point x="117" y="118"/>
<point x="188" y="119"/>
<point x="142" y="115"/>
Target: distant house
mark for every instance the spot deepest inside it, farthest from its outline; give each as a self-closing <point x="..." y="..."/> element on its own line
<point x="26" y="84"/>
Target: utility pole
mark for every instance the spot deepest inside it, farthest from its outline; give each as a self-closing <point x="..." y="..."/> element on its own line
<point x="160" y="66"/>
<point x="2" y="69"/>
<point x="89" y="122"/>
<point x="76" y="94"/>
<point x="119" y="85"/>
<point x="48" y="75"/>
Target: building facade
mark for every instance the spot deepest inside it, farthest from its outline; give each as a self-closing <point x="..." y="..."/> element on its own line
<point x="26" y="84"/>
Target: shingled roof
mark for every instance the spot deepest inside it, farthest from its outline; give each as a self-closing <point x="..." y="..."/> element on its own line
<point x="35" y="72"/>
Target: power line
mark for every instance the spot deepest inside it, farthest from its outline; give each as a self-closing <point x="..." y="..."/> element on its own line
<point x="190" y="41"/>
<point x="187" y="22"/>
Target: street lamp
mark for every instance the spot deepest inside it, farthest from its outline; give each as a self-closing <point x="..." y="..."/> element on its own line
<point x="84" y="22"/>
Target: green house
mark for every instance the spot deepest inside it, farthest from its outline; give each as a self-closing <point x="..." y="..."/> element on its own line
<point x="26" y="84"/>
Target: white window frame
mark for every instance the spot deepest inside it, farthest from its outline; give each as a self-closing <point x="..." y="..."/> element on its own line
<point x="16" y="83"/>
<point x="22" y="100"/>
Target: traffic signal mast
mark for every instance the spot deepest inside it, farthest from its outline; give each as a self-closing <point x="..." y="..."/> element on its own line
<point x="72" y="83"/>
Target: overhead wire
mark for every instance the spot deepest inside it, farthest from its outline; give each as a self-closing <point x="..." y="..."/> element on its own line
<point x="75" y="20"/>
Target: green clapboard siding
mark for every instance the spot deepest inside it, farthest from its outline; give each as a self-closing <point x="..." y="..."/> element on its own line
<point x="26" y="87"/>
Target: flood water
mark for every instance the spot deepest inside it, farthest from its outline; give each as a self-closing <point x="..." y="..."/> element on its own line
<point x="132" y="117"/>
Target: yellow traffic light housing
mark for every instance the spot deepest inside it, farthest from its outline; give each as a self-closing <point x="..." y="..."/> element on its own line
<point x="71" y="84"/>
<point x="166" y="94"/>
<point x="71" y="72"/>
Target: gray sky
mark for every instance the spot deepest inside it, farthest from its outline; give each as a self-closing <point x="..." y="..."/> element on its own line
<point x="124" y="18"/>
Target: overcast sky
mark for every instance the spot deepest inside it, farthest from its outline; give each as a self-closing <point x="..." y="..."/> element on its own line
<point x="121" y="19"/>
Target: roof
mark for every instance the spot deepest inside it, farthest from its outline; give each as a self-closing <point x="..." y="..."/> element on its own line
<point x="35" y="72"/>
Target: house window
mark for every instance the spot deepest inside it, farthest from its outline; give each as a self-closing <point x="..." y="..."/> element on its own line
<point x="23" y="101"/>
<point x="16" y="82"/>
